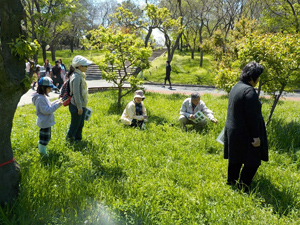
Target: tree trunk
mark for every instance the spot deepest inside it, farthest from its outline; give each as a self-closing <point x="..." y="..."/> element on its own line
<point x="192" y="53"/>
<point x="148" y="36"/>
<point x="72" y="44"/>
<point x="43" y="46"/>
<point x="11" y="75"/>
<point x="276" y="99"/>
<point x="52" y="47"/>
<point x="201" y="58"/>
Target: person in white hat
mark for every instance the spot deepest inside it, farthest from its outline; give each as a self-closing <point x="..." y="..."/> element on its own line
<point x="79" y="100"/>
<point x="44" y="112"/>
<point x="135" y="113"/>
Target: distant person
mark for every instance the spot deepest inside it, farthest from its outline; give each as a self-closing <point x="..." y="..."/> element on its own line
<point x="79" y="100"/>
<point x="44" y="112"/>
<point x="63" y="69"/>
<point x="168" y="74"/>
<point x="36" y="76"/>
<point x="56" y="77"/>
<point x="48" y="68"/>
<point x="189" y="112"/>
<point x="245" y="143"/>
<point x="27" y="67"/>
<point x="135" y="113"/>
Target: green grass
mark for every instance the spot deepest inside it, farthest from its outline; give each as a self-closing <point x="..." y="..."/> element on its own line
<point x="67" y="56"/>
<point x="122" y="175"/>
<point x="184" y="69"/>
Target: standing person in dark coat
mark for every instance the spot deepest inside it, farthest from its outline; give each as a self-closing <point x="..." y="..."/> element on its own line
<point x="168" y="74"/>
<point x="57" y="80"/>
<point x="245" y="132"/>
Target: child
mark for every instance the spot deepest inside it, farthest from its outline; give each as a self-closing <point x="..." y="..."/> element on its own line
<point x="44" y="112"/>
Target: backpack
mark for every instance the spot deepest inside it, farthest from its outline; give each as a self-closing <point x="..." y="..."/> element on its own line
<point x="65" y="93"/>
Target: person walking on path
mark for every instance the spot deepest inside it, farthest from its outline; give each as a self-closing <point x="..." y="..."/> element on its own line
<point x="79" y="100"/>
<point x="245" y="137"/>
<point x="44" y="112"/>
<point x="168" y="74"/>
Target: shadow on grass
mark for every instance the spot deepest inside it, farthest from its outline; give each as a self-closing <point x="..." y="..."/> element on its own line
<point x="284" y="136"/>
<point x="282" y="201"/>
<point x="114" y="109"/>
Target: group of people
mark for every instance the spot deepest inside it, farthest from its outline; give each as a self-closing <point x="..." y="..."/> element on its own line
<point x="77" y="106"/>
<point x="245" y="138"/>
<point x="57" y="73"/>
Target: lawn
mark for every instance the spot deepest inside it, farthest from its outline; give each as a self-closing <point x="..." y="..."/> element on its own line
<point x="121" y="175"/>
<point x="184" y="69"/>
<point x="67" y="56"/>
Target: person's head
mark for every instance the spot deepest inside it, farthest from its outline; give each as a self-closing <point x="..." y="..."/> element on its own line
<point x="195" y="97"/>
<point x="45" y="85"/>
<point x="46" y="61"/>
<point x="251" y="72"/>
<point x="81" y="63"/>
<point x="60" y="61"/>
<point x="139" y="96"/>
<point x="168" y="62"/>
<point x="56" y="62"/>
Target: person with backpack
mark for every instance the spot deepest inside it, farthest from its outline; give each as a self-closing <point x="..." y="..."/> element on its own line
<point x="79" y="97"/>
<point x="44" y="112"/>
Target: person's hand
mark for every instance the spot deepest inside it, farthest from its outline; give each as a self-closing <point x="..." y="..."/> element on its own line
<point x="192" y="117"/>
<point x="54" y="76"/>
<point x="214" y="120"/>
<point x="80" y="111"/>
<point x="256" y="142"/>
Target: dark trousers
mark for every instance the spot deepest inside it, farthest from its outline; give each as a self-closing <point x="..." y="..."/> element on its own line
<point x="167" y="78"/>
<point x="246" y="175"/>
<point x="77" y="123"/>
<point x="136" y="123"/>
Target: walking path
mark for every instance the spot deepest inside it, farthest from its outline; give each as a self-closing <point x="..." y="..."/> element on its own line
<point x="176" y="89"/>
<point x="95" y="82"/>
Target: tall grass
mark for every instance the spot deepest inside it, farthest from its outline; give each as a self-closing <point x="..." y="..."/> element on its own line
<point x="122" y="175"/>
<point x="184" y="69"/>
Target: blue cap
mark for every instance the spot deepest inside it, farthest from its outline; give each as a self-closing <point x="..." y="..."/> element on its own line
<point x="46" y="81"/>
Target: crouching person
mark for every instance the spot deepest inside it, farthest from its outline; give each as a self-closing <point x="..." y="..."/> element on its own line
<point x="192" y="111"/>
<point x="135" y="113"/>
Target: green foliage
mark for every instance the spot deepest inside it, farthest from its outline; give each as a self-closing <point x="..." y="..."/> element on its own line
<point x="124" y="53"/>
<point x="24" y="49"/>
<point x="184" y="69"/>
<point x="122" y="175"/>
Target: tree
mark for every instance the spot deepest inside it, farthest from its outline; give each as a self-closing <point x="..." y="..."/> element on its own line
<point x="282" y="15"/>
<point x="14" y="49"/>
<point x="280" y="55"/>
<point x="125" y="57"/>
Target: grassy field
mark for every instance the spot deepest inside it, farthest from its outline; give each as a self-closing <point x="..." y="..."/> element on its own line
<point x="121" y="175"/>
<point x="67" y="56"/>
<point x="184" y="69"/>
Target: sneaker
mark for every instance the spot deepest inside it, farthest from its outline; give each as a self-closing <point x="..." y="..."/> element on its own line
<point x="163" y="86"/>
<point x="170" y="88"/>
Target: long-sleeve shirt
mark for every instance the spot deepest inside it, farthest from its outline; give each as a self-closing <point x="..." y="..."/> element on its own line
<point x="44" y="110"/>
<point x="187" y="109"/>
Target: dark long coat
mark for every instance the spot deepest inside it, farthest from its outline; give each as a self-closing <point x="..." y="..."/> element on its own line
<point x="168" y="70"/>
<point x="244" y="122"/>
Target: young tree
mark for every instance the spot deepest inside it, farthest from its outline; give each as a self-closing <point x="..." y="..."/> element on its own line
<point x="14" y="49"/>
<point x="125" y="57"/>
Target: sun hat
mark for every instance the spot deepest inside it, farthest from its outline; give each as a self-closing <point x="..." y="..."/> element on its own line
<point x="46" y="81"/>
<point x="79" y="60"/>
<point x="139" y="94"/>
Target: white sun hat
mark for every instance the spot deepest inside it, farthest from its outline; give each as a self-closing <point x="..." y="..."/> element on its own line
<point x="79" y="60"/>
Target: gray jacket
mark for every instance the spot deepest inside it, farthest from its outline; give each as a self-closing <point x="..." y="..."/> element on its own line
<point x="187" y="109"/>
<point x="44" y="110"/>
<point x="75" y="91"/>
